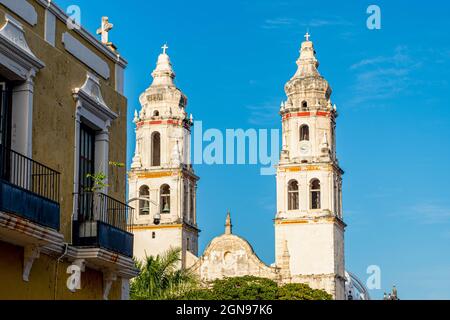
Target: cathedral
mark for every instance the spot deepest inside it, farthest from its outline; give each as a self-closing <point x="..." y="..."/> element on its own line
<point x="309" y="225"/>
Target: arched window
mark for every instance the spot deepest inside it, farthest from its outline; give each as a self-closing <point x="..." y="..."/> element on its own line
<point x="293" y="199"/>
<point x="192" y="205"/>
<point x="304" y="133"/>
<point x="156" y="149"/>
<point x="304" y="105"/>
<point x="165" y="199"/>
<point x="315" y="194"/>
<point x="144" y="205"/>
<point x="156" y="113"/>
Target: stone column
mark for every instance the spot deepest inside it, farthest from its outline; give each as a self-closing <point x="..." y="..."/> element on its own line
<point x="22" y="117"/>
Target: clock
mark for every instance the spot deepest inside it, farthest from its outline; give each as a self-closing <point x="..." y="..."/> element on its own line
<point x="305" y="148"/>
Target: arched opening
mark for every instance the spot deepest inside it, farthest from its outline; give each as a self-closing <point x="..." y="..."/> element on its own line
<point x="293" y="197"/>
<point x="165" y="199"/>
<point x="156" y="113"/>
<point x="315" y="194"/>
<point x="192" y="205"/>
<point x="156" y="149"/>
<point x="304" y="105"/>
<point x="144" y="205"/>
<point x="304" y="133"/>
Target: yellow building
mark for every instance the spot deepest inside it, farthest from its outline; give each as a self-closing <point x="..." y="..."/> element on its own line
<point x="62" y="117"/>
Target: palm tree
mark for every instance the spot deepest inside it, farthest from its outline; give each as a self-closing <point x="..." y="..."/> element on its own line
<point x="161" y="278"/>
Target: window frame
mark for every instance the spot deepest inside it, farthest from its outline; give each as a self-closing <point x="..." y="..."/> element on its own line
<point x="315" y="195"/>
<point x="293" y="195"/>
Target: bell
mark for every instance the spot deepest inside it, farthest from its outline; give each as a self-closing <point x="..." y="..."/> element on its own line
<point x="166" y="208"/>
<point x="157" y="219"/>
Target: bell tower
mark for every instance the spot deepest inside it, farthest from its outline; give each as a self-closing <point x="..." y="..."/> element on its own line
<point x="309" y="184"/>
<point x="162" y="182"/>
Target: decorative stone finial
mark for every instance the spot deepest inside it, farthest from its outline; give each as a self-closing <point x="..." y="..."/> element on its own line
<point x="307" y="63"/>
<point x="163" y="75"/>
<point x="285" y="249"/>
<point x="228" y="225"/>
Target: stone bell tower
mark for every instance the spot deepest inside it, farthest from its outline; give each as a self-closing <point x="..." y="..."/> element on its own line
<point x="309" y="184"/>
<point x="162" y="182"/>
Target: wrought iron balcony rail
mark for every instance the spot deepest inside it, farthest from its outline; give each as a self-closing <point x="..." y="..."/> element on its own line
<point x="29" y="175"/>
<point x="96" y="206"/>
<point x="103" y="222"/>
<point x="29" y="189"/>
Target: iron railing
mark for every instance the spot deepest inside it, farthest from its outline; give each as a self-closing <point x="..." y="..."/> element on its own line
<point x="95" y="206"/>
<point x="29" y="175"/>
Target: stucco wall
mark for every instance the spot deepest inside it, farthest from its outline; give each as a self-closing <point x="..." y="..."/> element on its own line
<point x="42" y="279"/>
<point x="53" y="139"/>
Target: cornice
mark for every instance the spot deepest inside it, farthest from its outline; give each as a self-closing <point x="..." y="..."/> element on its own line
<point x="86" y="35"/>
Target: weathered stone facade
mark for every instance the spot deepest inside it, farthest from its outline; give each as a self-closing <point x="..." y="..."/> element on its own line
<point x="232" y="256"/>
<point x="60" y="77"/>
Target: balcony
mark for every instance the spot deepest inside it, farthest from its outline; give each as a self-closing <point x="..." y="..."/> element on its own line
<point x="28" y="189"/>
<point x="103" y="222"/>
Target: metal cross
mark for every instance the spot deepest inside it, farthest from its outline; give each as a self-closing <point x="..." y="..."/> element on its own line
<point x="164" y="47"/>
<point x="307" y="36"/>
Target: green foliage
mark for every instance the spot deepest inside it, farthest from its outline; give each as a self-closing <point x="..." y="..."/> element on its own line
<point x="161" y="278"/>
<point x="254" y="288"/>
<point x="300" y="291"/>
<point x="98" y="179"/>
<point x="245" y="288"/>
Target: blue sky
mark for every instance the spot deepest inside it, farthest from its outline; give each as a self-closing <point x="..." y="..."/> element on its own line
<point x="391" y="86"/>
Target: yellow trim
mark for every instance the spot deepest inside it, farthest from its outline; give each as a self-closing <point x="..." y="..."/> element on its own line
<point x="306" y="221"/>
<point x="308" y="168"/>
<point x="158" y="174"/>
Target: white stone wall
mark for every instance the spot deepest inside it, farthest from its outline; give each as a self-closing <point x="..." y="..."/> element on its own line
<point x="314" y="237"/>
<point x="165" y="239"/>
<point x="163" y="111"/>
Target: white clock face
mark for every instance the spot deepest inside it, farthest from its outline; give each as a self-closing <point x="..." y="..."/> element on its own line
<point x="305" y="148"/>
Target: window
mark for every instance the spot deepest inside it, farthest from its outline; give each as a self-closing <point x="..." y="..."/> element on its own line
<point x="86" y="168"/>
<point x="304" y="133"/>
<point x="153" y="235"/>
<point x="156" y="113"/>
<point x="304" y="105"/>
<point x="293" y="199"/>
<point x="185" y="201"/>
<point x="144" y="205"/>
<point x="5" y="115"/>
<point x="192" y="205"/>
<point x="165" y="199"/>
<point x="87" y="158"/>
<point x="315" y="194"/>
<point x="188" y="244"/>
<point x="156" y="149"/>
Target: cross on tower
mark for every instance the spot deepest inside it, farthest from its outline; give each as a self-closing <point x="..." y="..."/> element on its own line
<point x="164" y="47"/>
<point x="307" y="36"/>
<point x="104" y="29"/>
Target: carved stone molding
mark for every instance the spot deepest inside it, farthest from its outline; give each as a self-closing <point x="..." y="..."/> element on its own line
<point x="30" y="253"/>
<point x="90" y="96"/>
<point x="23" y="9"/>
<point x="15" y="54"/>
<point x="86" y="56"/>
<point x="108" y="278"/>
